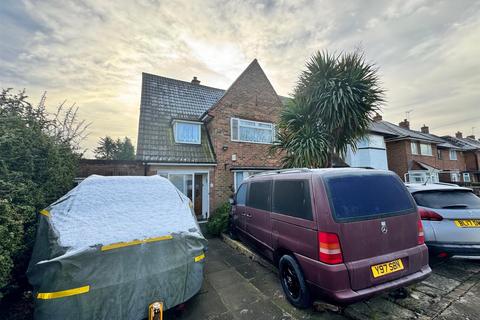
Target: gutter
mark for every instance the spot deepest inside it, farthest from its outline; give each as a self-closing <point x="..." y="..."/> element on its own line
<point x="181" y="164"/>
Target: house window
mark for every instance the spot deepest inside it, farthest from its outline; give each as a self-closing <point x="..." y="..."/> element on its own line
<point x="239" y="176"/>
<point x="439" y="154"/>
<point x="425" y="149"/>
<point x="466" y="177"/>
<point x="414" y="147"/>
<point x="453" y="155"/>
<point x="421" y="176"/>
<point x="455" y="177"/>
<point x="187" y="132"/>
<point x="252" y="131"/>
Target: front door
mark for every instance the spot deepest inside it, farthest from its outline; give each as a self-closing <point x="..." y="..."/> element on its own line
<point x="198" y="201"/>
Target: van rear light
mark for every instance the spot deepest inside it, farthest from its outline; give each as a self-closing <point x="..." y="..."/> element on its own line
<point x="329" y="248"/>
<point x="421" y="235"/>
<point x="427" y="214"/>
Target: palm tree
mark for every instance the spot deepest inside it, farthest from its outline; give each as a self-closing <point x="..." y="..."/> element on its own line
<point x="332" y="106"/>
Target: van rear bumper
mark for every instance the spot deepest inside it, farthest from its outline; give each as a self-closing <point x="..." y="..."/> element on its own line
<point x="349" y="296"/>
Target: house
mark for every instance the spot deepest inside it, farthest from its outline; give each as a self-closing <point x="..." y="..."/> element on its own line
<point x="207" y="140"/>
<point x="419" y="156"/>
<point x="471" y="151"/>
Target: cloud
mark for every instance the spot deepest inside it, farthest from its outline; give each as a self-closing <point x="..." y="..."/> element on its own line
<point x="93" y="52"/>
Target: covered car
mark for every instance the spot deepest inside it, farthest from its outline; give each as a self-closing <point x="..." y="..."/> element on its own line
<point x="114" y="245"/>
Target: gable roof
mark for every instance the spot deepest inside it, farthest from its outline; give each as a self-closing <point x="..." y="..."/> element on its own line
<point x="163" y="100"/>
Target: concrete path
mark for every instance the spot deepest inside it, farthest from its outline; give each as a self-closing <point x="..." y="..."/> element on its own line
<point x="236" y="287"/>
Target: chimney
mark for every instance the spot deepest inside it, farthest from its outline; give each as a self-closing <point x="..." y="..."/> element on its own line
<point x="471" y="137"/>
<point x="459" y="135"/>
<point x="377" y="117"/>
<point x="424" y="129"/>
<point x="195" y="80"/>
<point x="405" y="124"/>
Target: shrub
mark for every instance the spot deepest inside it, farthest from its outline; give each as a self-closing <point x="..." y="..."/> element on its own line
<point x="218" y="222"/>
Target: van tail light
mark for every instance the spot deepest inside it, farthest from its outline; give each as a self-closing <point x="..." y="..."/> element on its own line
<point x="421" y="235"/>
<point x="427" y="214"/>
<point x="329" y="248"/>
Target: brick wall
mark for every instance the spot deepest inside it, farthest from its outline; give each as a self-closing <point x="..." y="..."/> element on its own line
<point x="400" y="158"/>
<point x="87" y="167"/>
<point x="250" y="97"/>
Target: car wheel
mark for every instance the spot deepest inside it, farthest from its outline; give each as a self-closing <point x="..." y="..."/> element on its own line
<point x="293" y="282"/>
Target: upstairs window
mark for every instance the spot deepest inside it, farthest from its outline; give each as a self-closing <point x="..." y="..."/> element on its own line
<point x="187" y="132"/>
<point x="252" y="131"/>
<point x="414" y="147"/>
<point x="453" y="155"/>
<point x="426" y="149"/>
<point x="439" y="154"/>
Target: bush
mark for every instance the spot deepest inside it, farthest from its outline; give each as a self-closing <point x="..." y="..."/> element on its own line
<point x="37" y="165"/>
<point x="218" y="222"/>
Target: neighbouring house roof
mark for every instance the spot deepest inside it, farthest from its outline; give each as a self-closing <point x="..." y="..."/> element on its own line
<point x="403" y="133"/>
<point x="467" y="144"/>
<point x="163" y="100"/>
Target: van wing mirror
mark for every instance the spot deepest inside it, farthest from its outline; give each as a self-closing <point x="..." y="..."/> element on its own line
<point x="231" y="201"/>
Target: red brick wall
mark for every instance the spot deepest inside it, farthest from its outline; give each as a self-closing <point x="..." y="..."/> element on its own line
<point x="87" y="167"/>
<point x="400" y="157"/>
<point x="472" y="160"/>
<point x="250" y="97"/>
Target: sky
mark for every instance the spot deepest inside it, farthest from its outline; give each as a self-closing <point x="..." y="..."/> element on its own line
<point x="92" y="53"/>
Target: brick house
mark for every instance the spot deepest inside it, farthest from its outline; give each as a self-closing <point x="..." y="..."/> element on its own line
<point x="207" y="140"/>
<point x="471" y="153"/>
<point x="419" y="156"/>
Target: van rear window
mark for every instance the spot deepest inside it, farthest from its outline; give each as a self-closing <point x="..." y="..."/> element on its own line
<point x="367" y="196"/>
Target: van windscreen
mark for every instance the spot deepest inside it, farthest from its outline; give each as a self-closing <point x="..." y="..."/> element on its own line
<point x="367" y="196"/>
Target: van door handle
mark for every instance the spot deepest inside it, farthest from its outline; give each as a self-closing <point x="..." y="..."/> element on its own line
<point x="248" y="215"/>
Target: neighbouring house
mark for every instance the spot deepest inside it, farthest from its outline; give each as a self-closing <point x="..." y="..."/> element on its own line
<point x="471" y="152"/>
<point x="207" y="140"/>
<point x="419" y="156"/>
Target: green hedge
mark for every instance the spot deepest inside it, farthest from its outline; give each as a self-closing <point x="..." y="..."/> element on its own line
<point x="218" y="222"/>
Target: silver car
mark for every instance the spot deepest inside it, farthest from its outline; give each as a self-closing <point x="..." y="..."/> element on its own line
<point x="451" y="218"/>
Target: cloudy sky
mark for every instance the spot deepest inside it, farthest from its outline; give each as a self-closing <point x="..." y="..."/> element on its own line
<point x="93" y="52"/>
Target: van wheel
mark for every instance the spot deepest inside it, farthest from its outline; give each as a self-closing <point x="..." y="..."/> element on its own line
<point x="293" y="282"/>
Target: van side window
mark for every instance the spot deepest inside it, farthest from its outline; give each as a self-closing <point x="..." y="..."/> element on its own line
<point x="260" y="195"/>
<point x="241" y="195"/>
<point x="292" y="198"/>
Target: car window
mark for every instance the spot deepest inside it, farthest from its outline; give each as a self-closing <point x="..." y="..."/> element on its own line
<point x="241" y="195"/>
<point x="447" y="199"/>
<point x="367" y="196"/>
<point x="292" y="197"/>
<point x="260" y="195"/>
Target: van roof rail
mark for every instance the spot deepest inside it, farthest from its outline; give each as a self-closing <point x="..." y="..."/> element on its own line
<point x="281" y="171"/>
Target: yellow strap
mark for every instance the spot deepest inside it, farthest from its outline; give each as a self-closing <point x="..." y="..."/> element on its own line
<point x="200" y="257"/>
<point x="64" y="293"/>
<point x="134" y="242"/>
<point x="45" y="213"/>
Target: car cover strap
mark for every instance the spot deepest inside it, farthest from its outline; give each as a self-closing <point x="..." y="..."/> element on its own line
<point x="134" y="242"/>
<point x="64" y="293"/>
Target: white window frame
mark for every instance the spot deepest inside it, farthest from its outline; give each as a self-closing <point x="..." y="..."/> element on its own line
<point x="453" y="154"/>
<point x="242" y="172"/>
<point x="467" y="176"/>
<point x="455" y="177"/>
<point x="428" y="147"/>
<point x="414" y="147"/>
<point x="250" y="126"/>
<point x="199" y="127"/>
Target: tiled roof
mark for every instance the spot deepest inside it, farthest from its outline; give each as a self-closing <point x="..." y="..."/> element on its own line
<point x="464" y="143"/>
<point x="411" y="134"/>
<point x="165" y="99"/>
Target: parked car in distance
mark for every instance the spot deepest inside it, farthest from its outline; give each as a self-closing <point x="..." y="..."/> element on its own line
<point x="342" y="234"/>
<point x="450" y="216"/>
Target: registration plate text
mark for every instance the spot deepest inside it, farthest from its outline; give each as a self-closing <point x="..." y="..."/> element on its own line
<point x="382" y="269"/>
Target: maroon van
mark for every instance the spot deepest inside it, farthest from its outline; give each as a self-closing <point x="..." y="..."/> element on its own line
<point x="343" y="234"/>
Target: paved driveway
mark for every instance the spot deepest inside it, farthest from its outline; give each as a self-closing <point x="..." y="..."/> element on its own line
<point x="236" y="287"/>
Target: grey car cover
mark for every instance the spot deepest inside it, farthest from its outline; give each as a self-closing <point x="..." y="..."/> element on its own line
<point x="114" y="245"/>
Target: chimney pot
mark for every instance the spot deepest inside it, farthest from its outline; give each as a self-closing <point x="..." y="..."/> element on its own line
<point x="405" y="124"/>
<point x="459" y="135"/>
<point x="195" y="80"/>
<point x="471" y="137"/>
<point x="424" y="129"/>
<point x="377" y="117"/>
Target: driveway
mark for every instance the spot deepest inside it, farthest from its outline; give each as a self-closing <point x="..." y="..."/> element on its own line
<point x="236" y="287"/>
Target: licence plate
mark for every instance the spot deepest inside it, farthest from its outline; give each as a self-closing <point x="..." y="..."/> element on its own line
<point x="467" y="223"/>
<point x="383" y="269"/>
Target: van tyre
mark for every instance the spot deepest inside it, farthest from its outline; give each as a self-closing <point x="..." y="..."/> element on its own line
<point x="293" y="282"/>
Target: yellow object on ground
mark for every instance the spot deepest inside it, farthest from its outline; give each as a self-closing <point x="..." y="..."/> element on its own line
<point x="64" y="293"/>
